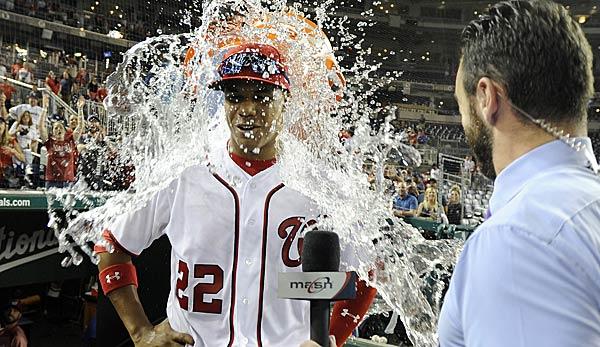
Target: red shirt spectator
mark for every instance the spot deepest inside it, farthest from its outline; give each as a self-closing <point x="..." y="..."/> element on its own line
<point x="6" y="156"/>
<point x="14" y="69"/>
<point x="61" y="147"/>
<point x="52" y="83"/>
<point x="102" y="93"/>
<point x="61" y="159"/>
<point x="8" y="90"/>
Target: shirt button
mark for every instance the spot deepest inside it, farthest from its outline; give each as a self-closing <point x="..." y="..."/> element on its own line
<point x="245" y="340"/>
<point x="249" y="261"/>
<point x="251" y="221"/>
<point x="245" y="301"/>
<point x="253" y="185"/>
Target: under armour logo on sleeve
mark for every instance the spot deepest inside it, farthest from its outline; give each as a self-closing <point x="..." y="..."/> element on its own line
<point x="346" y="313"/>
<point x="116" y="277"/>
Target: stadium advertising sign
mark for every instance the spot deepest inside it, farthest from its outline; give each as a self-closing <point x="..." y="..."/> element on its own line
<point x="17" y="248"/>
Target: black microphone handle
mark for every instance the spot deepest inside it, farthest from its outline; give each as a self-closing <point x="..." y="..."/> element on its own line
<point x="319" y="322"/>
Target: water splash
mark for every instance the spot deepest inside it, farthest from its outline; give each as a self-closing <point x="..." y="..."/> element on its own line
<point x="169" y="120"/>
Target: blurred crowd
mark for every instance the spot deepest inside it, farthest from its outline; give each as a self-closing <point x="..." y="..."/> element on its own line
<point x="68" y="14"/>
<point x="69" y="83"/>
<point x="44" y="149"/>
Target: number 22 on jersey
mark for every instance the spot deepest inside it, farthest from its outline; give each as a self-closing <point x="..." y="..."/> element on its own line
<point x="201" y="271"/>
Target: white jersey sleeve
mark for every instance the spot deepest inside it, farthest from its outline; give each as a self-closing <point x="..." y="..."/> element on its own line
<point x="135" y="231"/>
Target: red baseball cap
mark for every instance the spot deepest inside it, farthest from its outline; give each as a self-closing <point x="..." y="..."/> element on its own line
<point x="253" y="61"/>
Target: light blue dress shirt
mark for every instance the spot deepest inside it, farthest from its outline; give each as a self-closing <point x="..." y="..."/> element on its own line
<point x="530" y="275"/>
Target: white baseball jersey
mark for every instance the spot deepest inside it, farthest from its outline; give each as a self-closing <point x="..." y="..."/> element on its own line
<point x="228" y="245"/>
<point x="35" y="111"/>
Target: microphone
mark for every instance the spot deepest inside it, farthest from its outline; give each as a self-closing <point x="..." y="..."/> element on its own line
<point x="320" y="281"/>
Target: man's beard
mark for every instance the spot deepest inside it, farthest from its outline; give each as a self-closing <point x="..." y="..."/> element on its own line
<point x="479" y="138"/>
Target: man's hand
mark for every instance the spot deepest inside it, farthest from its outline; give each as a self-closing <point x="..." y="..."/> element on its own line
<point x="80" y="103"/>
<point x="332" y="343"/>
<point x="45" y="101"/>
<point x="162" y="335"/>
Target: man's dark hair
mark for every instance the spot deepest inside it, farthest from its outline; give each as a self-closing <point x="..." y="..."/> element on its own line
<point x="537" y="51"/>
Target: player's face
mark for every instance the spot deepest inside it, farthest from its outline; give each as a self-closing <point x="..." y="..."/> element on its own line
<point x="479" y="136"/>
<point x="254" y="114"/>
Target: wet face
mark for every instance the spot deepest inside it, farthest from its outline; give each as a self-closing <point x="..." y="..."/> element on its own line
<point x="58" y="130"/>
<point x="254" y="112"/>
<point x="479" y="135"/>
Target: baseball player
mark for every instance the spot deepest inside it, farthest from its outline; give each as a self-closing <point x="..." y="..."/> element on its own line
<point x="229" y="242"/>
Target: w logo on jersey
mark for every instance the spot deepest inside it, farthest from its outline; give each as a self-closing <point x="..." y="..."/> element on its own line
<point x="288" y="230"/>
<point x="115" y="277"/>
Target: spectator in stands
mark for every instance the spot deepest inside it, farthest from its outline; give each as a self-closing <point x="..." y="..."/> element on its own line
<point x="390" y="174"/>
<point x="61" y="147"/>
<point x="412" y="137"/>
<point x="435" y="172"/>
<point x="9" y="327"/>
<point x="8" y="91"/>
<point x="25" y="132"/>
<point x="66" y="87"/>
<point x="9" y="151"/>
<point x="53" y="83"/>
<point x="92" y="89"/>
<point x="73" y="122"/>
<point x="422" y="138"/>
<point x="433" y="184"/>
<point x="3" y="110"/>
<point x="414" y="191"/>
<point x="405" y="205"/>
<point x="404" y="175"/>
<point x="34" y="110"/>
<point x="429" y="207"/>
<point x="102" y="93"/>
<point x="3" y="71"/>
<point x="82" y="77"/>
<point x="469" y="165"/>
<point x="14" y="69"/>
<point x="454" y="207"/>
<point x="24" y="74"/>
<point x="94" y="151"/>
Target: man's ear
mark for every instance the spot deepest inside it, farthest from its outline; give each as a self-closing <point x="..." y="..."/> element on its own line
<point x="486" y="98"/>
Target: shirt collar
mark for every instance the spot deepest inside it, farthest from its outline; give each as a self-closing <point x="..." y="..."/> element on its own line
<point x="556" y="153"/>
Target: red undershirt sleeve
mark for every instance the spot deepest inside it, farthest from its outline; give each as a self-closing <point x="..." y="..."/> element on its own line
<point x="348" y="313"/>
